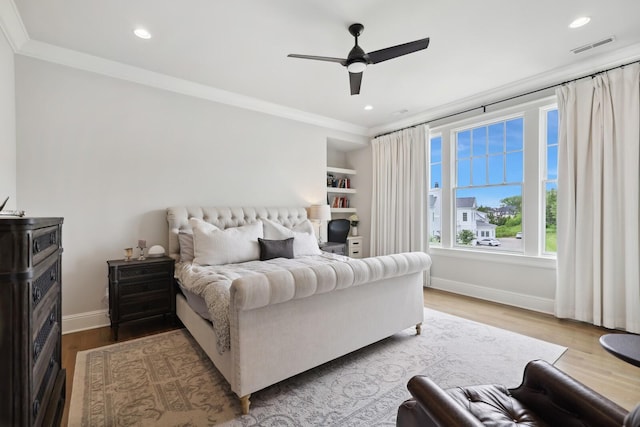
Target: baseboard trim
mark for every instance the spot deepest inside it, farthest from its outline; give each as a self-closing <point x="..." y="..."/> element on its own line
<point x="529" y="302"/>
<point x="83" y="321"/>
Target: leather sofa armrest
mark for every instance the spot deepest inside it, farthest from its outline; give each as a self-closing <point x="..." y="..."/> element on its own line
<point x="561" y="400"/>
<point x="431" y="406"/>
<point x="633" y="418"/>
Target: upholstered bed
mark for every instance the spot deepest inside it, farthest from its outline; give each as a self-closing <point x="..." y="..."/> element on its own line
<point x="285" y="316"/>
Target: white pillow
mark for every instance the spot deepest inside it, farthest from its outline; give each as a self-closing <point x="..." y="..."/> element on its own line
<point x="186" y="246"/>
<point x="304" y="239"/>
<point x="213" y="246"/>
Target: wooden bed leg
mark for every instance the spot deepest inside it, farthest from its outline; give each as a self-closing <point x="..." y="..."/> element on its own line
<point x="418" y="328"/>
<point x="244" y="404"/>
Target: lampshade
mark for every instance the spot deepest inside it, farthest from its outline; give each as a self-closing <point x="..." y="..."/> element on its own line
<point x="320" y="212"/>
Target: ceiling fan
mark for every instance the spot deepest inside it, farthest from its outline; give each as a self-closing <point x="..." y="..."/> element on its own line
<point x="357" y="60"/>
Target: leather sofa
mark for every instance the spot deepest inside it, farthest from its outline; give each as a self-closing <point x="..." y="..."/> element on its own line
<point x="546" y="397"/>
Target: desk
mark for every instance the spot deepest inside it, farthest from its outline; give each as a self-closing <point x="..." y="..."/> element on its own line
<point x="623" y="346"/>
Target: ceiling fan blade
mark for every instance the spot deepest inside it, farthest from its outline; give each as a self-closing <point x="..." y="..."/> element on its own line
<point x="355" y="79"/>
<point x="319" y="58"/>
<point x="399" y="50"/>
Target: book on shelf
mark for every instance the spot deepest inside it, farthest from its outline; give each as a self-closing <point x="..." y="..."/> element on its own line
<point x="340" y="202"/>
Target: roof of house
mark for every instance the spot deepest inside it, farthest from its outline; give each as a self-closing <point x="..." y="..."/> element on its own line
<point x="484" y="224"/>
<point x="466" y="202"/>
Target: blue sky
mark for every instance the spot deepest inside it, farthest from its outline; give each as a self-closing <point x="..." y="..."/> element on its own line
<point x="491" y="156"/>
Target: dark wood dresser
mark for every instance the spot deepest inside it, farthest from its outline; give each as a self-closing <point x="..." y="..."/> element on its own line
<point x="32" y="380"/>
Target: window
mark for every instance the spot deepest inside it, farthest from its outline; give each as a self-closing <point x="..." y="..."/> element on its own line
<point x="550" y="177"/>
<point x="494" y="177"/>
<point x="435" y="195"/>
<point x="489" y="178"/>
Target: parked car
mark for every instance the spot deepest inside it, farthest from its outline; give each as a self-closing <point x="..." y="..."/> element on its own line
<point x="489" y="241"/>
<point x="519" y="235"/>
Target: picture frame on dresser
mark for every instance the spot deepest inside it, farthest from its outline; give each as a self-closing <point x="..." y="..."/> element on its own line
<point x="34" y="382"/>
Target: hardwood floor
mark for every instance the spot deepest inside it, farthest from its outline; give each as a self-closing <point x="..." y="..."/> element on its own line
<point x="585" y="360"/>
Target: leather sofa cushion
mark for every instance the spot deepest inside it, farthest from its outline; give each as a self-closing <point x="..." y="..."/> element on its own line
<point x="493" y="405"/>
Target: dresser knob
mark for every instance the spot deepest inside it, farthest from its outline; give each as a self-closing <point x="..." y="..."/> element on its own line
<point x="52" y="275"/>
<point x="36" y="407"/>
<point x="36" y="246"/>
<point x="52" y="362"/>
<point x="37" y="293"/>
<point x="52" y="318"/>
<point x="52" y="238"/>
<point x="36" y="350"/>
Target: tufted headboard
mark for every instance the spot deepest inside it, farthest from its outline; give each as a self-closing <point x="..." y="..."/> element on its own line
<point x="224" y="217"/>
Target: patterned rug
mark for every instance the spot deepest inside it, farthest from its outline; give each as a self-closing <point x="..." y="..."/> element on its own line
<point x="167" y="380"/>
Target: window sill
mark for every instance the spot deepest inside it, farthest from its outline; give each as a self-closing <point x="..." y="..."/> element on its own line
<point x="542" y="261"/>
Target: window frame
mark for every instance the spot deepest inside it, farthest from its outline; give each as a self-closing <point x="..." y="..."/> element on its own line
<point x="531" y="187"/>
<point x="471" y="127"/>
<point x="544" y="173"/>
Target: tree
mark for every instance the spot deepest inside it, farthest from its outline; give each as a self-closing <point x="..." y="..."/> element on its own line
<point x="515" y="201"/>
<point x="551" y="208"/>
<point x="466" y="237"/>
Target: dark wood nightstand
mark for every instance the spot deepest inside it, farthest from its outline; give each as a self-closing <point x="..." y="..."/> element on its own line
<point x="140" y="289"/>
<point x="334" y="247"/>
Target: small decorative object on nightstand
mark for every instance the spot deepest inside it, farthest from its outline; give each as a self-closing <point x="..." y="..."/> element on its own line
<point x="128" y="253"/>
<point x="354" y="220"/>
<point x="140" y="289"/>
<point x="355" y="246"/>
<point x="141" y="245"/>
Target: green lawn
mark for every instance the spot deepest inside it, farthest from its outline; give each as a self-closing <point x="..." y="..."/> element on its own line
<point x="550" y="244"/>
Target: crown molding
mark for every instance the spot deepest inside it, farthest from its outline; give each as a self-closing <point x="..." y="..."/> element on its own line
<point x="71" y="58"/>
<point x="16" y="33"/>
<point x="12" y="25"/>
<point x="553" y="77"/>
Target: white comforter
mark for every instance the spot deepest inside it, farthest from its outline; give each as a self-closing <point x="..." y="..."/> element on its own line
<point x="213" y="282"/>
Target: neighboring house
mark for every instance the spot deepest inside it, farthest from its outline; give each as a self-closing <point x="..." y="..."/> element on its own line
<point x="504" y="211"/>
<point x="468" y="217"/>
<point x="435" y="209"/>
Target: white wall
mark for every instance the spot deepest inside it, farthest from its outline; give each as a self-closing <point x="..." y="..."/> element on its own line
<point x="109" y="156"/>
<point x="7" y="125"/>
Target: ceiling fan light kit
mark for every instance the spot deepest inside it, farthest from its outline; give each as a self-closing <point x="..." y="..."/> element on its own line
<point x="357" y="60"/>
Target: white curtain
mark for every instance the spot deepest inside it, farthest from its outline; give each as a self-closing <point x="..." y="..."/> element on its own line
<point x="598" y="200"/>
<point x="398" y="211"/>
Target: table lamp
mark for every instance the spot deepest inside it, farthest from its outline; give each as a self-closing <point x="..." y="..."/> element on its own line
<point x="320" y="213"/>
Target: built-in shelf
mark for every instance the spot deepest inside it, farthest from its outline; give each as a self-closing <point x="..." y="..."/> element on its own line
<point x="341" y="190"/>
<point x="341" y="170"/>
<point x="343" y="177"/>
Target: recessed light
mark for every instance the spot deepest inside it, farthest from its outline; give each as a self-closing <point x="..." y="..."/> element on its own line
<point x="142" y="33"/>
<point x="368" y="107"/>
<point x="579" y="22"/>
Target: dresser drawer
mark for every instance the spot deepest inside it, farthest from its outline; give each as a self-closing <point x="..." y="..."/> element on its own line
<point x="44" y="242"/>
<point x="44" y="283"/>
<point x="44" y="392"/>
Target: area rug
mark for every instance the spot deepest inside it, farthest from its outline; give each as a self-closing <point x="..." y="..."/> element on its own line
<point x="167" y="380"/>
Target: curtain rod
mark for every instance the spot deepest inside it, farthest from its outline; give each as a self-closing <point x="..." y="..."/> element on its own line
<point x="484" y="106"/>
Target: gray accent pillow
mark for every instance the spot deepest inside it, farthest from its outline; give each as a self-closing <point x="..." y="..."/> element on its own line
<point x="270" y="249"/>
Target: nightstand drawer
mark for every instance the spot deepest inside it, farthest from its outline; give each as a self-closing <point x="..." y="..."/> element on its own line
<point x="144" y="287"/>
<point x="355" y="244"/>
<point x="145" y="272"/>
<point x="145" y="305"/>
